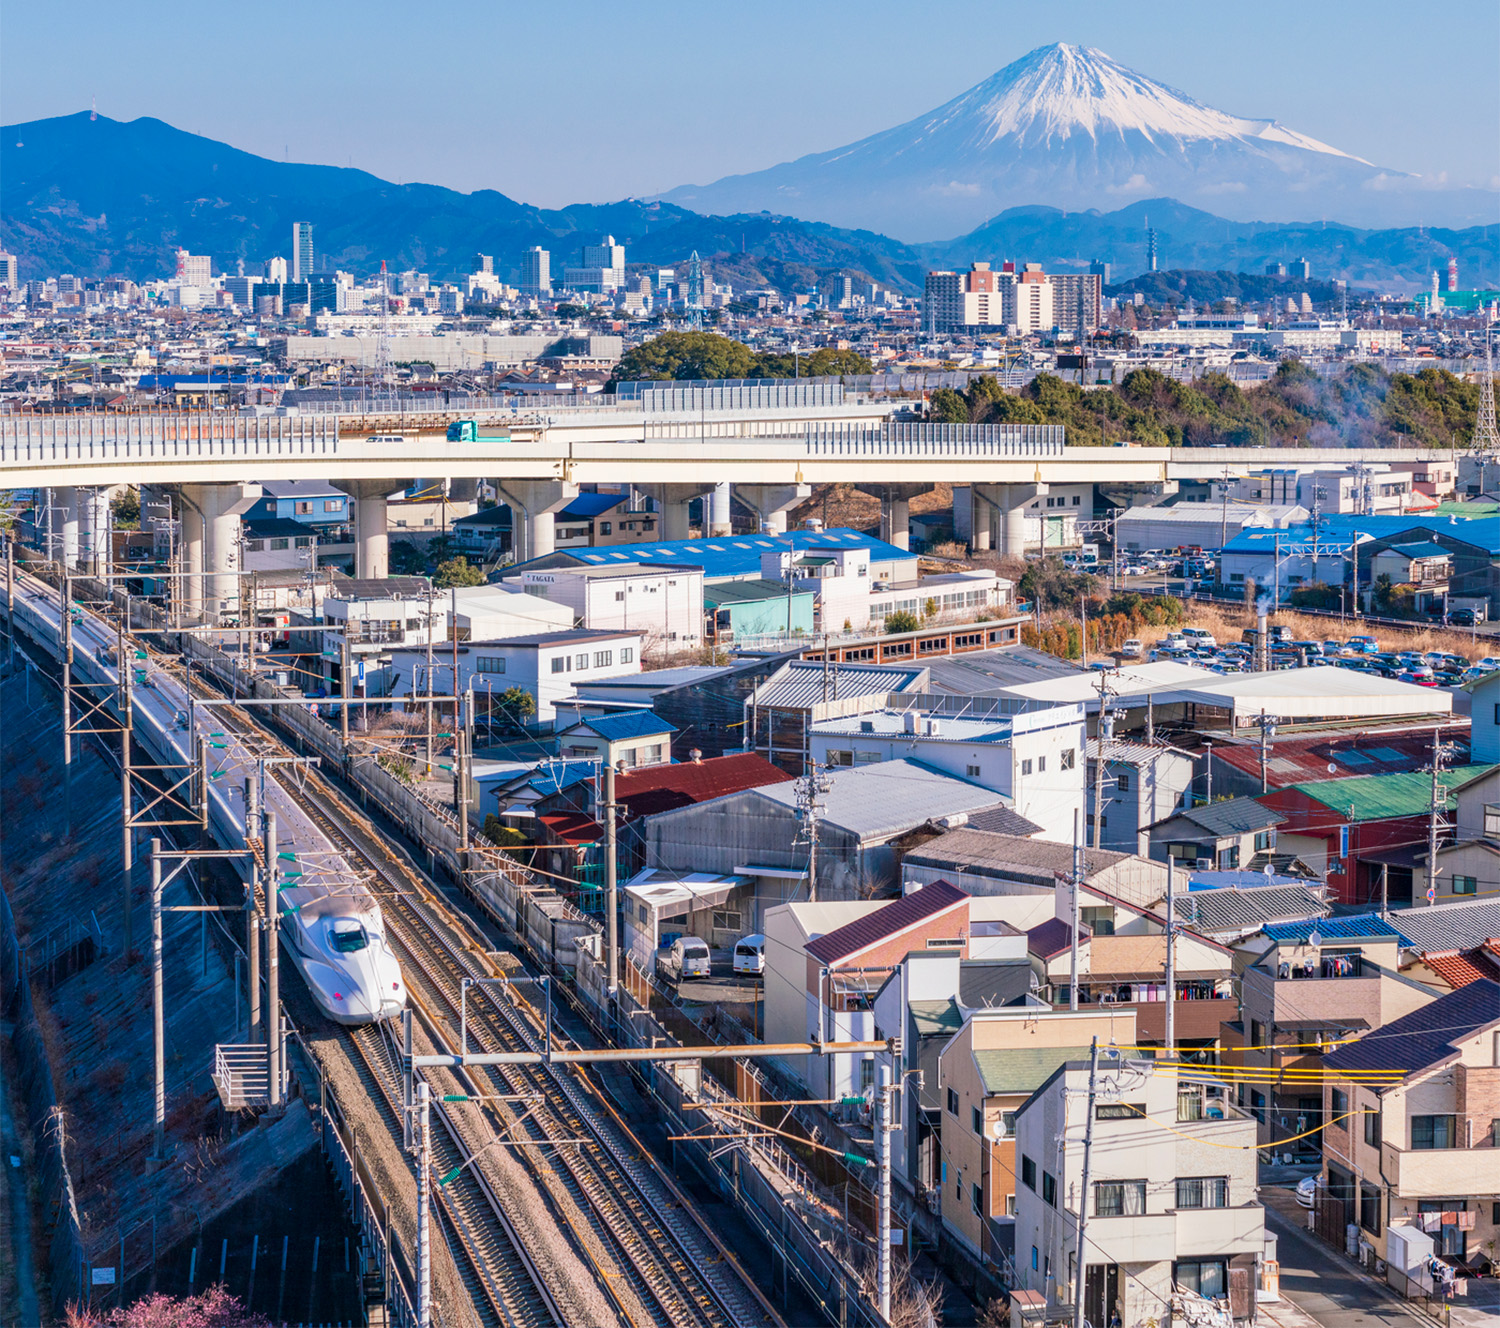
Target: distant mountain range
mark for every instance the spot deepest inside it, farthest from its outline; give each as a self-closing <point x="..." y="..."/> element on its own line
<point x="1069" y="127"/>
<point x="95" y="196"/>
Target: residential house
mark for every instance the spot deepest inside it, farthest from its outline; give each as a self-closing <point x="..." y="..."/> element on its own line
<point x="985" y="863"/>
<point x="1468" y="864"/>
<point x="313" y="503"/>
<point x="544" y="664"/>
<point x="1171" y="1199"/>
<point x="659" y="906"/>
<point x="486" y="535"/>
<point x="624" y="741"/>
<point x="1316" y="984"/>
<point x="741" y="610"/>
<point x="1412" y="1141"/>
<point x="1364" y="834"/>
<point x="1230" y="913"/>
<point x="1142" y="785"/>
<point x="1032" y="757"/>
<point x="1484" y="716"/>
<point x="1424" y="566"/>
<point x="1218" y="836"/>
<point x="987" y="1070"/>
<point x="865" y="816"/>
<point x="663" y="603"/>
<point x="278" y="544"/>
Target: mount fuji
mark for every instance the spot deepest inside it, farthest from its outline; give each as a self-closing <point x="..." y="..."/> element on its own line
<point x="1069" y="127"/>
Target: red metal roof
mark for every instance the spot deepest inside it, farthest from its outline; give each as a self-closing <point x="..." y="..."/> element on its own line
<point x="573" y="827"/>
<point x="659" y="788"/>
<point x="885" y="922"/>
<point x="1300" y="760"/>
<point x="1458" y="968"/>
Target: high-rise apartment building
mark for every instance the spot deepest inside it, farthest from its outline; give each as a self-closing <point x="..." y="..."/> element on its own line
<point x="484" y="263"/>
<point x="536" y="271"/>
<point x="1027" y="301"/>
<point x="194" y="270"/>
<point x="10" y="273"/>
<point x="1077" y="301"/>
<point x="302" y="251"/>
<point x="605" y="254"/>
<point x="602" y="270"/>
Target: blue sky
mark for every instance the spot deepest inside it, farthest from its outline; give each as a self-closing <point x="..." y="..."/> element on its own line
<point x="587" y="101"/>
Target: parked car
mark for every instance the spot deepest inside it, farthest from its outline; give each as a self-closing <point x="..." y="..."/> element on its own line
<point x="686" y="957"/>
<point x="1448" y="678"/>
<point x="1307" y="1191"/>
<point x="750" y="954"/>
<point x="1420" y="679"/>
<point x="1132" y="649"/>
<point x="1365" y="645"/>
<point x="1463" y="618"/>
<point x="1198" y="636"/>
<point x="1332" y="647"/>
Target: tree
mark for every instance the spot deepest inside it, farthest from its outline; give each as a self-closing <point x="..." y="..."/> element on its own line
<point x="948" y="407"/>
<point x="407" y="560"/>
<point x="457" y="572"/>
<point x="1050" y="585"/>
<point x="126" y="509"/>
<point x="901" y="620"/>
<point x="213" y="1308"/>
<point x="515" y="705"/>
<point x="829" y="363"/>
<point x="684" y="356"/>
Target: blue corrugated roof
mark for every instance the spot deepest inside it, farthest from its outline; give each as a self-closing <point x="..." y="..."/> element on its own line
<point x="1346" y="928"/>
<point x="591" y="505"/>
<point x="627" y="724"/>
<point x="739" y="555"/>
<point x="1481" y="529"/>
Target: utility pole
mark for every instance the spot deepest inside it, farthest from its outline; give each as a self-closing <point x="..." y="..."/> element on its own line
<point x="345" y="690"/>
<point x="884" y="1266"/>
<point x="809" y="786"/>
<point x="1171" y="960"/>
<point x="252" y="910"/>
<point x="158" y="1014"/>
<point x="65" y="593"/>
<point x="1266" y="729"/>
<point x="125" y="676"/>
<point x="273" y="960"/>
<point x="1208" y="773"/>
<point x="1083" y="1195"/>
<point x="10" y="602"/>
<point x="1223" y="519"/>
<point x="611" y="881"/>
<point x="430" y="613"/>
<point x="424" y="1203"/>
<point x="1077" y="911"/>
<point x="1083" y="636"/>
<point x="1434" y="819"/>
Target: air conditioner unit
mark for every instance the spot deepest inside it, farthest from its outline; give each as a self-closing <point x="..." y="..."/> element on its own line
<point x="1205" y="864"/>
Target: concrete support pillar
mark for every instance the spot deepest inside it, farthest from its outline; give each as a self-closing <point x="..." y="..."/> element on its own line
<point x="1000" y="510"/>
<point x="218" y="508"/>
<point x="771" y="502"/>
<point x="68" y="501"/>
<point x="93" y="529"/>
<point x="895" y="510"/>
<point x="718" y="516"/>
<point x="187" y="592"/>
<point x="673" y="499"/>
<point x="534" y="505"/>
<point x="372" y="558"/>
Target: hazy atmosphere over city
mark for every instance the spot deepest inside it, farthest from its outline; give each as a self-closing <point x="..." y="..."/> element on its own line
<point x="789" y="666"/>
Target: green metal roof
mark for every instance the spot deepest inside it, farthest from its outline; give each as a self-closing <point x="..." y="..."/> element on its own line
<point x="1014" y="1070"/>
<point x="735" y="592"/>
<point x="936" y="1017"/>
<point x="1380" y="797"/>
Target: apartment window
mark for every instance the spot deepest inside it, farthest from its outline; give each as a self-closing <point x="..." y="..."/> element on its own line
<point x="605" y="528"/>
<point x="1033" y="1258"/>
<point x="254" y="546"/>
<point x="1433" y="1132"/>
<point x="1119" y="1198"/>
<point x="303" y="509"/>
<point x="581" y="662"/>
<point x="1339" y="1101"/>
<point x="1028" y="1179"/>
<point x="1190" y="1103"/>
<point x="603" y="658"/>
<point x="1010" y="1205"/>
<point x="1041" y="764"/>
<point x="1181" y="852"/>
<point x="1026" y="766"/>
<point x="839" y="758"/>
<point x="1203" y="1192"/>
<point x="1122" y="782"/>
<point x="953" y="1102"/>
<point x="1465" y="885"/>
<point x="1120" y="1111"/>
<point x="1008" y="1123"/>
<point x="976" y="1198"/>
<point x="1492" y="809"/>
<point x="866" y="1069"/>
<point x="1100" y="921"/>
<point x="976" y="1119"/>
<point x="332" y="505"/>
<point x="1263" y="841"/>
<point x="1207" y="1277"/>
<point x="1372" y="1127"/>
<point x="304" y="541"/>
<point x="972" y="771"/>
<point x="1229" y="858"/>
<point x="489" y="664"/>
<point x="1369" y="1208"/>
<point x="278" y="544"/>
<point x="1257" y="1034"/>
<point x="619" y="595"/>
<point x="560" y="664"/>
<point x="1069" y="758"/>
<point x="1258" y="1105"/>
<point x="1049" y="1188"/>
<point x="627" y="654"/>
<point x="1077" y="500"/>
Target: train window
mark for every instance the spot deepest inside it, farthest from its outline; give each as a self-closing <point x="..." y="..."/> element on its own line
<point x="348" y="937"/>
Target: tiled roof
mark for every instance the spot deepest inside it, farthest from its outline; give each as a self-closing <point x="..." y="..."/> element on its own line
<point x="573" y="827"/>
<point x="1034" y="859"/>
<point x="1052" y="937"/>
<point x="1224" y="910"/>
<point x="1451" y="926"/>
<point x="1002" y="821"/>
<point x="1382" y="797"/>
<point x="1458" y="968"/>
<point x="625" y="724"/>
<point x="1233" y="816"/>
<point x="885" y="922"/>
<point x="1357" y="926"/>
<point x="1425" y="1037"/>
<point x="1016" y="1070"/>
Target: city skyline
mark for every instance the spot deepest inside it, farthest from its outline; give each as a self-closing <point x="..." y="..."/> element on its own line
<point x="835" y="82"/>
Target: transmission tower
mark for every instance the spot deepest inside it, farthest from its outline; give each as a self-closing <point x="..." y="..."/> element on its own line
<point x="1486" y="437"/>
<point x="695" y="292"/>
<point x="383" y="342"/>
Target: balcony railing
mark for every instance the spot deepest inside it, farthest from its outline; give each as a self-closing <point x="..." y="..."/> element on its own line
<point x="1438" y="1173"/>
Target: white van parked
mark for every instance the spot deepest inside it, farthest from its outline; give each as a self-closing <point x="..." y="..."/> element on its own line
<point x="1198" y="636"/>
<point x="686" y="957"/>
<point x="750" y="954"/>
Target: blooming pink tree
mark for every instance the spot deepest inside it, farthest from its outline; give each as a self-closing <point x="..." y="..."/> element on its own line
<point x="213" y="1308"/>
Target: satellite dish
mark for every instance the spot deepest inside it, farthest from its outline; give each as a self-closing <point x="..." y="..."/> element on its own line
<point x="1332" y="769"/>
<point x="1315" y="939"/>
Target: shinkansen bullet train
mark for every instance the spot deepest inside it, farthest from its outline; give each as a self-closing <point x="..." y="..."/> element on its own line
<point x="336" y="937"/>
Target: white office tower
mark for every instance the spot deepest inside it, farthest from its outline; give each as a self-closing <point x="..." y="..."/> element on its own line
<point x="302" y="251"/>
<point x="194" y="270"/>
<point x="276" y="270"/>
<point x="536" y="271"/>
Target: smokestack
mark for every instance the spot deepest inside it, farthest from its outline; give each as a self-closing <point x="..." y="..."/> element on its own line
<point x="1262" y="632"/>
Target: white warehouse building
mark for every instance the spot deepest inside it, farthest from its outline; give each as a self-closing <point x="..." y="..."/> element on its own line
<point x="663" y="603"/>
